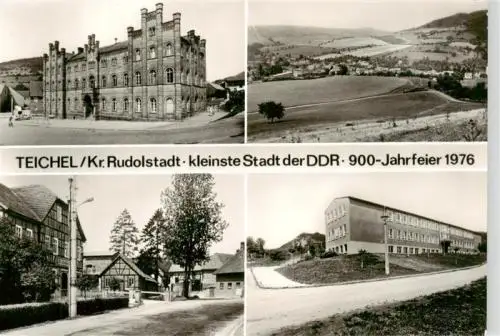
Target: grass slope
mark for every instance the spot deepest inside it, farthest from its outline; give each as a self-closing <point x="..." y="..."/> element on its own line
<point x="458" y="312"/>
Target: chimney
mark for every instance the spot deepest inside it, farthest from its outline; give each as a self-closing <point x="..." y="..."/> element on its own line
<point x="80" y="50"/>
<point x="116" y="40"/>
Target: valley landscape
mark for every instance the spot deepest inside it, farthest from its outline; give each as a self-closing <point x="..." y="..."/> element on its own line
<point x="427" y="83"/>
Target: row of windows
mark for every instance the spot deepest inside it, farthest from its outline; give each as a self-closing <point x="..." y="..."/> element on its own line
<point x="336" y="213"/>
<point x="464" y="244"/>
<point x="410" y="250"/>
<point x="129" y="281"/>
<point x="340" y="248"/>
<point x="169" y="72"/>
<point x="229" y="285"/>
<point x="412" y="236"/>
<point x="337" y="232"/>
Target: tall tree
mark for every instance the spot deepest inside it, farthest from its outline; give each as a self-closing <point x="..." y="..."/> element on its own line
<point x="152" y="238"/>
<point x="193" y="221"/>
<point x="125" y="235"/>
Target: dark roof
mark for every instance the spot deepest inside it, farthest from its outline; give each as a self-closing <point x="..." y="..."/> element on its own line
<point x="164" y="265"/>
<point x="114" y="47"/>
<point x="216" y="261"/>
<point x="406" y="212"/>
<point x="12" y="201"/>
<point x="36" y="89"/>
<point x="41" y="199"/>
<point x="76" y="57"/>
<point x="234" y="265"/>
<point x="131" y="264"/>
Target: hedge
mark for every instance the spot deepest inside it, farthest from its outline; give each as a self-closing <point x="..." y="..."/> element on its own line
<point x="14" y="316"/>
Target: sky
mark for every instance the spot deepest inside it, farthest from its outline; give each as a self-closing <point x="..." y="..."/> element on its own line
<point x="28" y="26"/>
<point x="383" y="15"/>
<point x="280" y="207"/>
<point x="140" y="194"/>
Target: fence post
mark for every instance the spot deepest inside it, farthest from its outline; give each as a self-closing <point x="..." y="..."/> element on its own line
<point x="131" y="300"/>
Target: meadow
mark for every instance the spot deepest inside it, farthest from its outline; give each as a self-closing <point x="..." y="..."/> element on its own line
<point x="328" y="89"/>
<point x="354" y="42"/>
<point x="368" y="52"/>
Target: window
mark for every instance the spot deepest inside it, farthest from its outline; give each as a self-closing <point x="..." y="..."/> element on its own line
<point x="390" y="233"/>
<point x="104" y="63"/>
<point x="55" y="247"/>
<point x="47" y="241"/>
<point x="84" y="83"/>
<point x="92" y="82"/>
<point x="137" y="105"/>
<point x="125" y="79"/>
<point x="91" y="65"/>
<point x="411" y="250"/>
<point x="229" y="285"/>
<point x="59" y="213"/>
<point x="138" y="79"/>
<point x="104" y="81"/>
<point x="29" y="233"/>
<point x="238" y="285"/>
<point x="170" y="75"/>
<point x="69" y="83"/>
<point x="398" y="249"/>
<point x="152" y="31"/>
<point x="103" y="104"/>
<point x="66" y="250"/>
<point x="80" y="253"/>
<point x="113" y="104"/>
<point x="152" y="52"/>
<point x="391" y="249"/>
<point x="19" y="231"/>
<point x="152" y="102"/>
<point x="221" y="285"/>
<point x="76" y="83"/>
<point x="114" y="61"/>
<point x="130" y="282"/>
<point x="152" y="77"/>
<point x="114" y="80"/>
<point x="84" y="67"/>
<point x="168" y="49"/>
<point x="405" y="250"/>
<point x="137" y="54"/>
<point x="125" y="104"/>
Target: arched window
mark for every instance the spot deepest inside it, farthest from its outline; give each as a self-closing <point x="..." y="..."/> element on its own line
<point x="168" y="51"/>
<point x="104" y="82"/>
<point x="137" y="104"/>
<point x="76" y="83"/>
<point x="125" y="79"/>
<point x="115" y="80"/>
<point x="137" y="54"/>
<point x="113" y="104"/>
<point x="84" y="83"/>
<point x="170" y="75"/>
<point x="152" y="77"/>
<point x="103" y="104"/>
<point x="138" y="78"/>
<point x="125" y="104"/>
<point x="92" y="82"/>
<point x="152" y="52"/>
<point x="152" y="104"/>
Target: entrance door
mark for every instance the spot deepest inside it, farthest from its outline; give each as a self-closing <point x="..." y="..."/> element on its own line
<point x="87" y="105"/>
<point x="64" y="284"/>
<point x="169" y="106"/>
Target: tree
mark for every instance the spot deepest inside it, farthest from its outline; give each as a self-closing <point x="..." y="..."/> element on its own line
<point x="193" y="221"/>
<point x="152" y="239"/>
<point x="260" y="246"/>
<point x="86" y="282"/>
<point x="124" y="235"/>
<point x="343" y="70"/>
<point x="312" y="250"/>
<point x="362" y="255"/>
<point x="251" y="247"/>
<point x="272" y="110"/>
<point x="445" y="245"/>
<point x="482" y="247"/>
<point x="236" y="102"/>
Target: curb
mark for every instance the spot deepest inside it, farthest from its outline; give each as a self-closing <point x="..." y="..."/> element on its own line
<point x="365" y="280"/>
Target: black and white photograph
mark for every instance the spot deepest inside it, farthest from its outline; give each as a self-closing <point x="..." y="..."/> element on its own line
<point x="367" y="254"/>
<point x="367" y="71"/>
<point x="114" y="72"/>
<point x="122" y="255"/>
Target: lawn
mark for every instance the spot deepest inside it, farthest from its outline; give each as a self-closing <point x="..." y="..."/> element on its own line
<point x="328" y="89"/>
<point x="348" y="267"/>
<point x="201" y="321"/>
<point x="458" y="312"/>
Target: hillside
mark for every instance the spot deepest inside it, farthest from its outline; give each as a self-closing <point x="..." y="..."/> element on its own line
<point x="316" y="237"/>
<point x="32" y="65"/>
<point x="456" y="20"/>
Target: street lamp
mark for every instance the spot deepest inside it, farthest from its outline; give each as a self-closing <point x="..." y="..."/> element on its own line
<point x="385" y="218"/>
<point x="73" y="247"/>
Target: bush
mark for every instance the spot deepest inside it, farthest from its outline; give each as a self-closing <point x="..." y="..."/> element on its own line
<point x="15" y="316"/>
<point x="328" y="254"/>
<point x="278" y="255"/>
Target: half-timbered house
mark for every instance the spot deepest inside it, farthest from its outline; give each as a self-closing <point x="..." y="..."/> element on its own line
<point x="128" y="274"/>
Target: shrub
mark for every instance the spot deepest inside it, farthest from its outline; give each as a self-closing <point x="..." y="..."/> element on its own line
<point x="15" y="316"/>
<point x="89" y="307"/>
<point x="328" y="254"/>
<point x="278" y="255"/>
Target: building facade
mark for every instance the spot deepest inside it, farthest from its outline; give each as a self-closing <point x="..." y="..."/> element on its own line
<point x="230" y="277"/>
<point x="95" y="262"/>
<point x="127" y="274"/>
<point x="156" y="74"/>
<point x="353" y="224"/>
<point x="38" y="214"/>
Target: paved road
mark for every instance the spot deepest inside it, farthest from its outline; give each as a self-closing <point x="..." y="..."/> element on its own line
<point x="224" y="131"/>
<point x="114" y="322"/>
<point x="271" y="309"/>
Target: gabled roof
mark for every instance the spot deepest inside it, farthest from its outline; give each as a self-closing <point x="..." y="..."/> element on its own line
<point x="12" y="201"/>
<point x="130" y="264"/>
<point x="235" y="264"/>
<point x="216" y="261"/>
<point x="216" y="86"/>
<point x="236" y="78"/>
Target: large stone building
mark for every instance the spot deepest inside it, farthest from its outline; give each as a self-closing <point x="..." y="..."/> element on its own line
<point x="353" y="224"/>
<point x="36" y="213"/>
<point x="156" y="74"/>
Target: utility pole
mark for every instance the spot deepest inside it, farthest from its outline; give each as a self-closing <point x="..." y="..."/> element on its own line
<point x="73" y="249"/>
<point x="385" y="217"/>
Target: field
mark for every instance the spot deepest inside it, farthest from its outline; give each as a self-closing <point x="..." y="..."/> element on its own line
<point x="354" y="42"/>
<point x="297" y="50"/>
<point x="368" y="52"/>
<point x="329" y="89"/>
<point x="416" y="53"/>
<point x="460" y="312"/>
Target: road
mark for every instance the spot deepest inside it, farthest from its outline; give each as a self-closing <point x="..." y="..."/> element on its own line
<point x="271" y="309"/>
<point x="150" y="318"/>
<point x="228" y="130"/>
